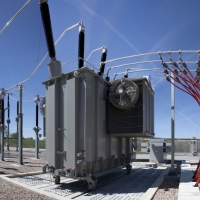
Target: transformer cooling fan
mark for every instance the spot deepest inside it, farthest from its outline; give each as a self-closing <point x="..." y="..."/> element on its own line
<point x="42" y="106"/>
<point x="124" y="93"/>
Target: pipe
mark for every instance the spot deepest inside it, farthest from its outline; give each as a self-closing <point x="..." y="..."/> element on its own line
<point x="153" y="53"/>
<point x="93" y="52"/>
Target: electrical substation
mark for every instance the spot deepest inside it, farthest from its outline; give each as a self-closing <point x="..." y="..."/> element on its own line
<point x="91" y="119"/>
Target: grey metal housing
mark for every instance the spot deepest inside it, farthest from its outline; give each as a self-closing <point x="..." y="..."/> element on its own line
<point x="77" y="143"/>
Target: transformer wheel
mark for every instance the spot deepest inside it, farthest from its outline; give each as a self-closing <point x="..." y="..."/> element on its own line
<point x="128" y="168"/>
<point x="92" y="186"/>
<point x="57" y="179"/>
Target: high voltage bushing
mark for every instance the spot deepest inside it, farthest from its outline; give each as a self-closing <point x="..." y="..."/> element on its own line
<point x="103" y="59"/>
<point x="81" y="46"/>
<point x="108" y="78"/>
<point x="44" y="8"/>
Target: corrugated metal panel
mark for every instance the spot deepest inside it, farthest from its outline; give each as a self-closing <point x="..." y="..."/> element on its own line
<point x="76" y="126"/>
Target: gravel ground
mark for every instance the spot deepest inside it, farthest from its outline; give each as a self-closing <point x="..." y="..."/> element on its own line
<point x="167" y="190"/>
<point x="10" y="191"/>
<point x="10" y="165"/>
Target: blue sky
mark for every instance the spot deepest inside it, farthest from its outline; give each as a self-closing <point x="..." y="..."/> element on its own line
<point x="127" y="27"/>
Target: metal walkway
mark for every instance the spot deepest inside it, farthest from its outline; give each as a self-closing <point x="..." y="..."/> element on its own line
<point x="117" y="185"/>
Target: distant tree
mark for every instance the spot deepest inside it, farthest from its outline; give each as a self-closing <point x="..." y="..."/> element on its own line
<point x="13" y="135"/>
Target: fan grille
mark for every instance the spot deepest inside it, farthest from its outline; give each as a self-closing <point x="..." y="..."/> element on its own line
<point x="124" y="93"/>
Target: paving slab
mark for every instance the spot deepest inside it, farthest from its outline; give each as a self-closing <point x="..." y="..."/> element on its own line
<point x="187" y="189"/>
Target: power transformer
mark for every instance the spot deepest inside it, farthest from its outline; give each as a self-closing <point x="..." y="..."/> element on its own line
<point x="90" y="123"/>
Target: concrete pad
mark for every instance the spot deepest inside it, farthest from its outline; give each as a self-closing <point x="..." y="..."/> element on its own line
<point x="187" y="191"/>
<point x="148" y="195"/>
<point x="188" y="198"/>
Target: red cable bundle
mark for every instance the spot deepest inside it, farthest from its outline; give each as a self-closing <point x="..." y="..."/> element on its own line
<point x="183" y="77"/>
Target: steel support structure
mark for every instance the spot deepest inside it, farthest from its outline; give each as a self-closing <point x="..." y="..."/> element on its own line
<point x="172" y="124"/>
<point x="17" y="120"/>
<point x="2" y="130"/>
<point x="8" y="122"/>
<point x="36" y="128"/>
<point x="20" y="116"/>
